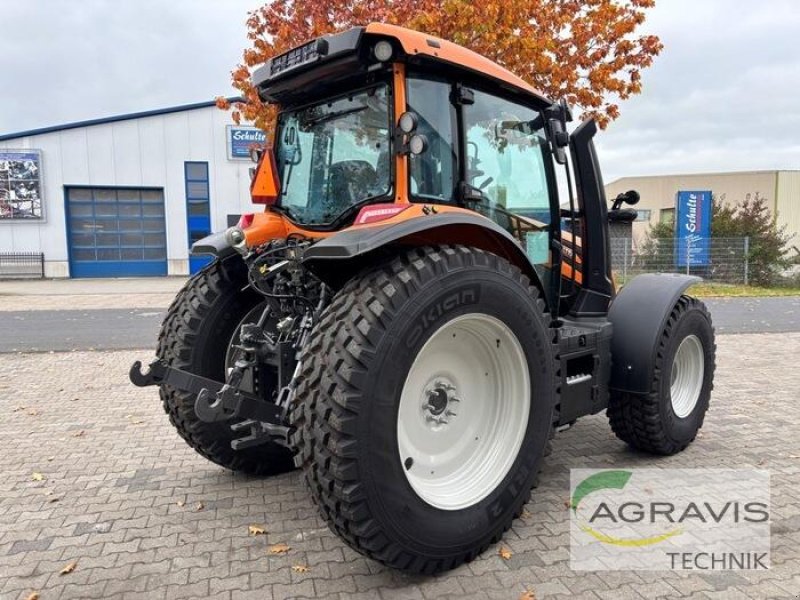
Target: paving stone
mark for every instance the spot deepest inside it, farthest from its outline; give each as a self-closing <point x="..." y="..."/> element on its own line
<point x="120" y="484"/>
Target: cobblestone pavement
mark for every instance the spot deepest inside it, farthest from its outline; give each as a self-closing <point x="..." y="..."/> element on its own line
<point x="145" y="517"/>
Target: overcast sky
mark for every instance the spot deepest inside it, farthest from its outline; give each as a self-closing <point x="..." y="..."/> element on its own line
<point x="724" y="94"/>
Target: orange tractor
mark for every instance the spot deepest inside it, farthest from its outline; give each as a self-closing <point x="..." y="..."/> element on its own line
<point x="416" y="311"/>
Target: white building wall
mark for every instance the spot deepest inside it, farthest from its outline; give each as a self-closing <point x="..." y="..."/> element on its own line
<point x="141" y="152"/>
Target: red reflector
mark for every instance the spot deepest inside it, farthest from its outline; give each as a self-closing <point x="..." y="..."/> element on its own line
<point x="245" y="220"/>
<point x="379" y="212"/>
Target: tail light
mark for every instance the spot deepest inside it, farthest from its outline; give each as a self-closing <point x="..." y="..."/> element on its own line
<point x="245" y="220"/>
<point x="379" y="212"/>
<point x="265" y="187"/>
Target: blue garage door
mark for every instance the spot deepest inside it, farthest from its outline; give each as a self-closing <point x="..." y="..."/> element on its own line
<point x="116" y="232"/>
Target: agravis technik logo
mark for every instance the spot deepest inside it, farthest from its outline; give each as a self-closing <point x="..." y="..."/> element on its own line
<point x="701" y="519"/>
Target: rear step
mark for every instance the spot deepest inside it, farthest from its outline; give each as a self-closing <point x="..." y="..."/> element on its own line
<point x="585" y="351"/>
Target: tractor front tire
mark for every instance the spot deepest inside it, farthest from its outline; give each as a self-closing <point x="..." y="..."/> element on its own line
<point x="427" y="396"/>
<point x="195" y="336"/>
<point x="667" y="418"/>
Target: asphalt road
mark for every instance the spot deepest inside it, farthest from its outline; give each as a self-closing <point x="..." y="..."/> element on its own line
<point x="126" y="329"/>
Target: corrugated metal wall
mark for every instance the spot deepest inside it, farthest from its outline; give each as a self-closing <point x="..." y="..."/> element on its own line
<point x="788" y="204"/>
<point x="142" y="152"/>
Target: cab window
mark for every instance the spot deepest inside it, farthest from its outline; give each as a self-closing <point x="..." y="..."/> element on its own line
<point x="506" y="156"/>
<point x="433" y="174"/>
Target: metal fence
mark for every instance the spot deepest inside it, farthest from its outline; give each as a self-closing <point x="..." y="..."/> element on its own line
<point x="722" y="260"/>
<point x="21" y="265"/>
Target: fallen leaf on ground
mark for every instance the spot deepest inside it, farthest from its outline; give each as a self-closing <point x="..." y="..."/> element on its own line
<point x="181" y="503"/>
<point x="568" y="503"/>
<point x="32" y="596"/>
<point x="51" y="458"/>
<point x="526" y="514"/>
<point x="527" y="595"/>
<point x="301" y="568"/>
<point x="256" y="530"/>
<point x="505" y="553"/>
<point x="199" y="506"/>
<point x="53" y="499"/>
<point x="80" y="433"/>
<point x="69" y="568"/>
<point x="37" y="477"/>
<point x="18" y="408"/>
<point x="279" y="549"/>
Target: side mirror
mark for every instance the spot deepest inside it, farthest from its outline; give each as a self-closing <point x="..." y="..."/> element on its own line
<point x="630" y="197"/>
<point x="559" y="140"/>
<point x="558" y="115"/>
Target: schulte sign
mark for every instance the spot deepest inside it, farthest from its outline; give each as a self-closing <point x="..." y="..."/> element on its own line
<point x="692" y="228"/>
<point x="241" y="139"/>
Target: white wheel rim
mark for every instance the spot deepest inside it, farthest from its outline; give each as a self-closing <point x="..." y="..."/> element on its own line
<point x="686" y="377"/>
<point x="463" y="411"/>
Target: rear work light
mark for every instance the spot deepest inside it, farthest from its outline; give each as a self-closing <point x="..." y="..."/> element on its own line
<point x="379" y="212"/>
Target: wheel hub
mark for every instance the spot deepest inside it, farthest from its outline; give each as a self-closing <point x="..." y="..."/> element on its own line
<point x="439" y="405"/>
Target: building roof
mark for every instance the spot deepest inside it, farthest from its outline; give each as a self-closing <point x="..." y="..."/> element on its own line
<point x="112" y="119"/>
<point x="711" y="174"/>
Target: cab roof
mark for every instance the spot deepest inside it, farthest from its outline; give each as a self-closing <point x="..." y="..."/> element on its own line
<point x="415" y="43"/>
<point x="287" y="74"/>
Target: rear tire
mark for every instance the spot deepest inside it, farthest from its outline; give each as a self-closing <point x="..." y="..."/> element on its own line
<point x="354" y="422"/>
<point x="666" y="420"/>
<point x="195" y="337"/>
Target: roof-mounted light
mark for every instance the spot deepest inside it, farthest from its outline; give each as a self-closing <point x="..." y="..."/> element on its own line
<point x="383" y="51"/>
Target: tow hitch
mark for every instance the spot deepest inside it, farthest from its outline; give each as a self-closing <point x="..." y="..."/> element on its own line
<point x="218" y="401"/>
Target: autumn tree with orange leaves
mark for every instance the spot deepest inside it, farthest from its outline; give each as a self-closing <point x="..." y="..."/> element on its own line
<point x="586" y="51"/>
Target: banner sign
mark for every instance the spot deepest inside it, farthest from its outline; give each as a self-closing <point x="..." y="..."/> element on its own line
<point x="692" y="228"/>
<point x="241" y="139"/>
<point x="20" y="184"/>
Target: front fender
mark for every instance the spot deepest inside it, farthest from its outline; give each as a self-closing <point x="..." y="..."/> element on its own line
<point x="639" y="314"/>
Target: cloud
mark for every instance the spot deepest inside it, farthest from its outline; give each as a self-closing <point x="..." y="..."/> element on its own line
<point x="68" y="61"/>
<point x="722" y="96"/>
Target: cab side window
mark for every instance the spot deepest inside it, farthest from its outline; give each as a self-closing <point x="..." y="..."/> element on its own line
<point x="505" y="169"/>
<point x="433" y="173"/>
<point x="505" y="158"/>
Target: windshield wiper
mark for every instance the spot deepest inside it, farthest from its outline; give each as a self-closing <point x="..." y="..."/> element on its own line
<point x="333" y="115"/>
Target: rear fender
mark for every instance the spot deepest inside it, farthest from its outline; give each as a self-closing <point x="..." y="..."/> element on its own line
<point x="216" y="244"/>
<point x="338" y="258"/>
<point x="639" y="314"/>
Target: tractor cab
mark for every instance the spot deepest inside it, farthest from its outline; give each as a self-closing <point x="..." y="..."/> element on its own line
<point x="378" y="119"/>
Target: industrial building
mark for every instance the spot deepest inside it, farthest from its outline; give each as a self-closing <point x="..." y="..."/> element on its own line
<point x="126" y="195"/>
<point x="780" y="189"/>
